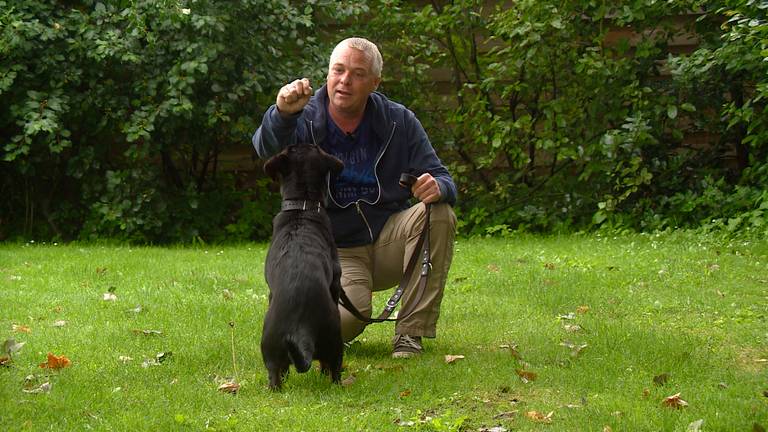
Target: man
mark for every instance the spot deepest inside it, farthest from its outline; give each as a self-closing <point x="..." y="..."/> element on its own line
<point x="374" y="226"/>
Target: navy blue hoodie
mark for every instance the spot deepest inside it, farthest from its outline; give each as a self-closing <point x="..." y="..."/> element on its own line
<point x="404" y="148"/>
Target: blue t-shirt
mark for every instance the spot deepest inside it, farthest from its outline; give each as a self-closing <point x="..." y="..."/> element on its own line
<point x="358" y="151"/>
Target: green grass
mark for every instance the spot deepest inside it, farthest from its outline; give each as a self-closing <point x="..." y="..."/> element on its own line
<point x="692" y="307"/>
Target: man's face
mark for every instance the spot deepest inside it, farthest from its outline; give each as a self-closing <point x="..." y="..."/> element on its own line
<point x="350" y="80"/>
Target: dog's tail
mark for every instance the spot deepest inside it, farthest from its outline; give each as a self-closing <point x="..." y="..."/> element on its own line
<point x="301" y="351"/>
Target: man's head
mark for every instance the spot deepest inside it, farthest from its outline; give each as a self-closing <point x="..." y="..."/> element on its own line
<point x="354" y="72"/>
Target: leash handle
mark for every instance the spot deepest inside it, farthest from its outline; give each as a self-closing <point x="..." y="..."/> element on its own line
<point x="422" y="250"/>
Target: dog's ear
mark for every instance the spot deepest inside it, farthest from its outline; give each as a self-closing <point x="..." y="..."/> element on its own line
<point x="334" y="164"/>
<point x="276" y="164"/>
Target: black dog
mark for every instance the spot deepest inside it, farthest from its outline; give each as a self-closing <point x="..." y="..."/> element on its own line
<point x="302" y="269"/>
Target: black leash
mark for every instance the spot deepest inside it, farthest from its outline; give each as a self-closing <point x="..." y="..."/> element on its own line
<point x="421" y="250"/>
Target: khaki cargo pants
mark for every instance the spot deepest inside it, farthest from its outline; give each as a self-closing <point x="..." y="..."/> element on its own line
<point x="380" y="266"/>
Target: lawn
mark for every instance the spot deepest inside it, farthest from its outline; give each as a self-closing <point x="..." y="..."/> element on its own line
<point x="571" y="333"/>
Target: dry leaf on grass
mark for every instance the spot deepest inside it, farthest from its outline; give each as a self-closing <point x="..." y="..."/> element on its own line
<point x="696" y="425"/>
<point x="572" y="328"/>
<point x="231" y="387"/>
<point x="55" y="362"/>
<point x="348" y="381"/>
<point x="17" y="328"/>
<point x="512" y="350"/>
<point x="10" y="346"/>
<point x="526" y="376"/>
<point x="450" y="358"/>
<point x="574" y="347"/>
<point x="42" y="388"/>
<point x="405" y="393"/>
<point x="582" y="309"/>
<point x="147" y="332"/>
<point x="109" y="296"/>
<point x="5" y="360"/>
<point x="59" y="323"/>
<point x="539" y="417"/>
<point x="674" y="401"/>
<point x="661" y="379"/>
<point x="493" y="268"/>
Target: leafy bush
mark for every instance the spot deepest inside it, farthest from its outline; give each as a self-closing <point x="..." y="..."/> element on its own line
<point x="115" y="114"/>
<point x="554" y="124"/>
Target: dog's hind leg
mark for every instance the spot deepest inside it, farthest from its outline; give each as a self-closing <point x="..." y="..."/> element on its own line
<point x="277" y="372"/>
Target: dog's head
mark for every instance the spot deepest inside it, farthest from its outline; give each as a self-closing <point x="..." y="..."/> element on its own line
<point x="302" y="170"/>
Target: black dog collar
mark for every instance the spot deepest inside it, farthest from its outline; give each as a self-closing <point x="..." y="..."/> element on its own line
<point x="301" y="205"/>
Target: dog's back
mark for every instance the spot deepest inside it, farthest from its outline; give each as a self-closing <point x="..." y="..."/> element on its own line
<point x="302" y="271"/>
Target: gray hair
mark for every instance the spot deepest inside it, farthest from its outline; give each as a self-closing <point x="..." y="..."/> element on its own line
<point x="369" y="48"/>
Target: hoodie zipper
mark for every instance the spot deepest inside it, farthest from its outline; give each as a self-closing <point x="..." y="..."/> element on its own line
<point x="365" y="221"/>
<point x="375" y="165"/>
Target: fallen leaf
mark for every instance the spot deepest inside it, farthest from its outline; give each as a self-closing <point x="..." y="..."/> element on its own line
<point x="675" y="401"/>
<point x="493" y="268"/>
<point x="229" y="387"/>
<point x="512" y="350"/>
<point x="21" y="329"/>
<point x="549" y="266"/>
<point x="163" y="356"/>
<point x="539" y="417"/>
<point x="582" y="309"/>
<point x="348" y="381"/>
<point x="108" y="296"/>
<point x="646" y="393"/>
<point x="575" y="348"/>
<point x="607" y="428"/>
<point x="43" y="388"/>
<point x="158" y="360"/>
<point x="5" y="360"/>
<point x="124" y="359"/>
<point x="147" y="332"/>
<point x="55" y="362"/>
<point x="572" y="328"/>
<point x="449" y="358"/>
<point x="526" y="376"/>
<point x="10" y="346"/>
<point x="661" y="379"/>
<point x="59" y="323"/>
<point x="405" y="393"/>
<point x="695" y="426"/>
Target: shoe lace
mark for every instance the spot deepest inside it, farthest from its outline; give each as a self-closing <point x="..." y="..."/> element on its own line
<point x="405" y="341"/>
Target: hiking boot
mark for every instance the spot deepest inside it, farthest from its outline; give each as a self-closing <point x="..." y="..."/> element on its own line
<point x="406" y="346"/>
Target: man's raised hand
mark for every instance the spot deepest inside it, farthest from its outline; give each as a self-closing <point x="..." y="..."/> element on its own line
<point x="293" y="97"/>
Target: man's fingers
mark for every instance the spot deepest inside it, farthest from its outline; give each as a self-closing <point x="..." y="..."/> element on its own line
<point x="293" y="96"/>
<point x="426" y="189"/>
